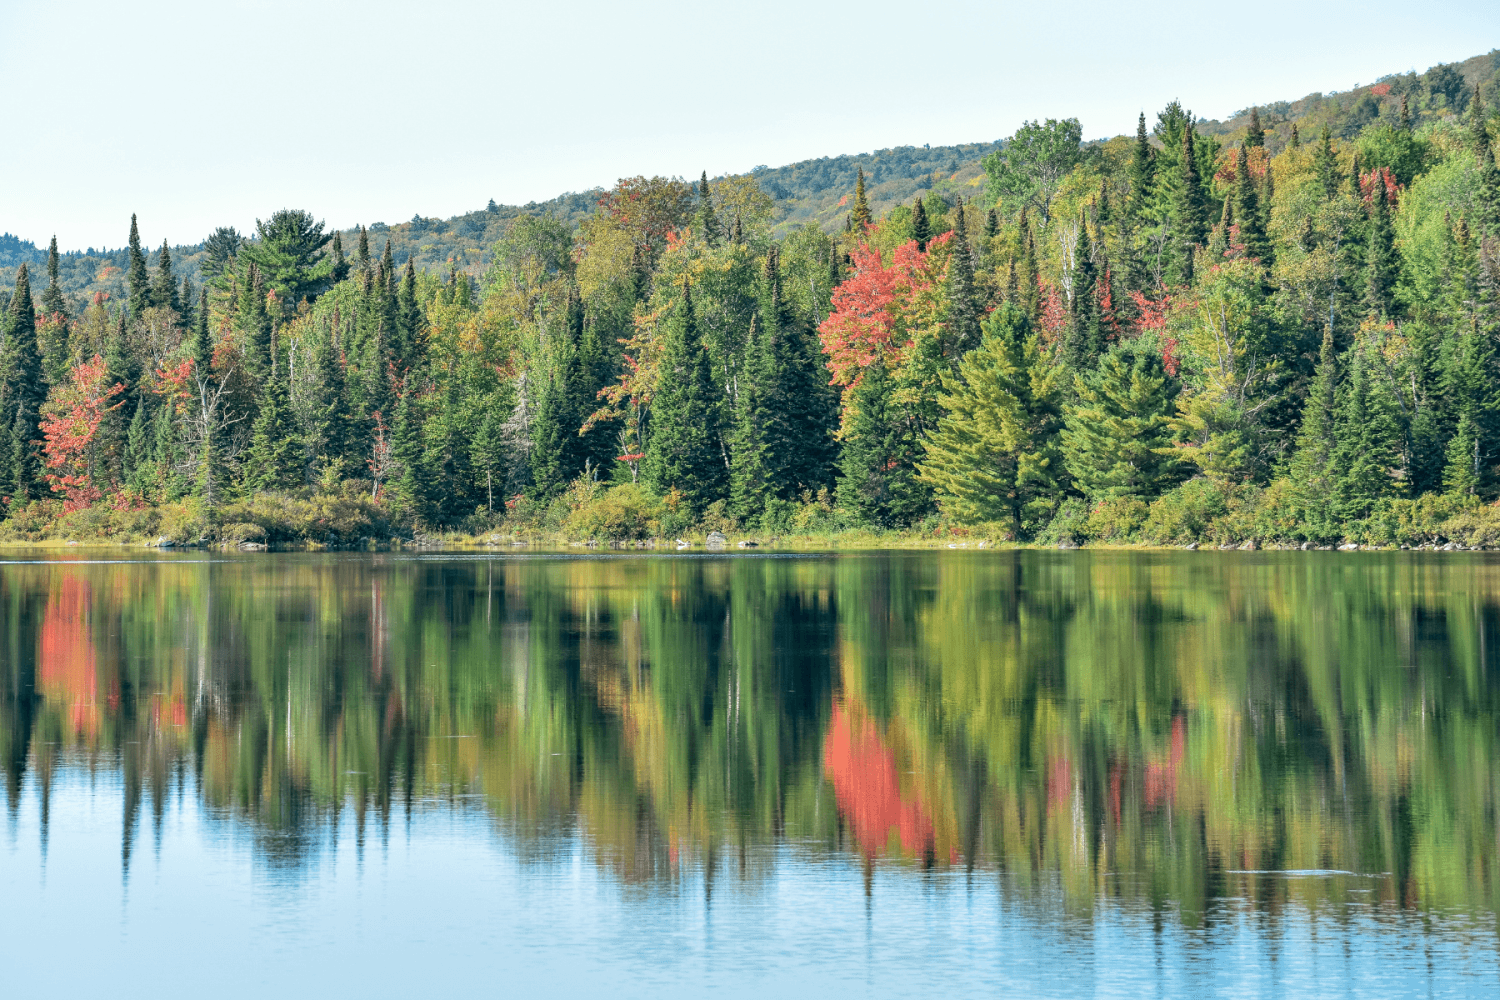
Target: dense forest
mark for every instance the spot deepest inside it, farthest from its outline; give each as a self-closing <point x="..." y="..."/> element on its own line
<point x="1282" y="331"/>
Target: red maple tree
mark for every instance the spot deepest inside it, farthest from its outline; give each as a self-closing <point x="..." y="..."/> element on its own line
<point x="70" y="426"/>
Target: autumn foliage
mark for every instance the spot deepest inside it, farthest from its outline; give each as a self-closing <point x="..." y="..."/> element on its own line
<point x="70" y="427"/>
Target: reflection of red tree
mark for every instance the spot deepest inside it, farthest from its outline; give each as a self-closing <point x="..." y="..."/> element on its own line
<point x="863" y="772"/>
<point x="1161" y="777"/>
<point x="66" y="650"/>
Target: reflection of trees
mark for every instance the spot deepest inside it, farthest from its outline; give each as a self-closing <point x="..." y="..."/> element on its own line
<point x="1134" y="723"/>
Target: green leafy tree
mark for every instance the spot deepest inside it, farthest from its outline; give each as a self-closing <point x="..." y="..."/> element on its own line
<point x="1032" y="164"/>
<point x="996" y="454"/>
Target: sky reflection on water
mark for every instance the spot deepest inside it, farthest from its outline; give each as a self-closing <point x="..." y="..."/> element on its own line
<point x="1120" y="775"/>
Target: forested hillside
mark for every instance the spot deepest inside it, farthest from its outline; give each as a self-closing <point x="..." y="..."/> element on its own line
<point x="1280" y="328"/>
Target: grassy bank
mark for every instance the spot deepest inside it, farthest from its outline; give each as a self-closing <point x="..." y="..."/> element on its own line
<point x="1198" y="513"/>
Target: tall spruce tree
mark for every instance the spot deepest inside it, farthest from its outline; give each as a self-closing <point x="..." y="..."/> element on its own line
<point x="963" y="299"/>
<point x="52" y="299"/>
<point x="24" y="391"/>
<point x="1189" y="212"/>
<point x="878" y="485"/>
<point x="1248" y="214"/>
<point x="921" y="230"/>
<point x="1084" y="340"/>
<point x="707" y="221"/>
<point x="340" y="269"/>
<point x="683" y="452"/>
<point x="1367" y="446"/>
<point x="138" y="281"/>
<point x="164" y="288"/>
<point x="1327" y="164"/>
<point x="1142" y="169"/>
<point x="1380" y="254"/>
<point x="333" y="434"/>
<point x="800" y="409"/>
<point x="1312" y="467"/>
<point x="255" y="325"/>
<point x="750" y="479"/>
<point x="411" y="488"/>
<point x="861" y="214"/>
<point x="274" y="459"/>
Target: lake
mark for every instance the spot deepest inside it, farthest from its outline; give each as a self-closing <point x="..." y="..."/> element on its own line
<point x="1105" y="774"/>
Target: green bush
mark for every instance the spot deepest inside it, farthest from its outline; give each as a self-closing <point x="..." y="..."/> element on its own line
<point x="1185" y="514"/>
<point x="1069" y="524"/>
<point x="625" y="511"/>
<point x="1116" y="520"/>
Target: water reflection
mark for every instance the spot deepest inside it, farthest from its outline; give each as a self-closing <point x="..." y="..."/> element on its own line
<point x="1189" y="733"/>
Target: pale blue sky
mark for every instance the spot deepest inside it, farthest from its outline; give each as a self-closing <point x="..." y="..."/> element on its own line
<point x="201" y="114"/>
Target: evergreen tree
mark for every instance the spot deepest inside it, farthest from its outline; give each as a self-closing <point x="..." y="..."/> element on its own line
<point x="1189" y="214"/>
<point x="1380" y="254"/>
<point x="1312" y="467"/>
<point x="166" y="456"/>
<point x="138" y="280"/>
<point x="273" y="461"/>
<point x="340" y="269"/>
<point x="1327" y="164"/>
<point x="996" y="453"/>
<point x="1142" y="169"/>
<point x="991" y="227"/>
<point x="1084" y="340"/>
<point x="1117" y="439"/>
<point x="878" y="485"/>
<point x="139" y="442"/>
<point x="52" y="298"/>
<point x="861" y="214"/>
<point x="1247" y="212"/>
<point x="1027" y="274"/>
<point x="800" y="410"/>
<point x="363" y="257"/>
<point x="408" y="350"/>
<point x="24" y="466"/>
<point x="1255" y="136"/>
<point x="1367" y="443"/>
<point x="411" y="486"/>
<point x="921" y="231"/>
<point x="963" y="299"/>
<point x="1405" y="120"/>
<point x="751" y="486"/>
<point x="186" y="298"/>
<point x="683" y="452"/>
<point x="1295" y="142"/>
<point x="164" y="289"/>
<point x="23" y="362"/>
<point x="707" y="221"/>
<point x="549" y="430"/>
<point x="1487" y="188"/>
<point x="333" y="437"/>
<point x="255" y="325"/>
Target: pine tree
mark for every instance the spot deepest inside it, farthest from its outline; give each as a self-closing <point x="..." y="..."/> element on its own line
<point x="800" y="408"/>
<point x="340" y="269"/>
<point x="138" y="471"/>
<point x="1295" y="142"/>
<point x="255" y="325"/>
<point x="24" y="465"/>
<point x="23" y="372"/>
<point x="1084" y="341"/>
<point x="274" y="460"/>
<point x="52" y="298"/>
<point x="963" y="300"/>
<point x="1255" y="136"/>
<point x="991" y="227"/>
<point x="1327" y="164"/>
<point x="186" y="298"/>
<point x="1312" y="468"/>
<point x="921" y="231"/>
<point x="1487" y="188"/>
<point x="408" y="351"/>
<point x="861" y="214"/>
<point x="1366" y="449"/>
<point x="1189" y="214"/>
<point x="411" y="487"/>
<point x="138" y="280"/>
<point x="750" y="483"/>
<point x="707" y="221"/>
<point x="878" y="485"/>
<point x="683" y="451"/>
<point x="1248" y="214"/>
<point x="1117" y="438"/>
<point x="549" y="430"/>
<point x="333" y="437"/>
<point x="363" y="257"/>
<point x="1027" y="274"/>
<point x="164" y="288"/>
<point x="1380" y="254"/>
<point x="1405" y="120"/>
<point x="996" y="454"/>
<point x="166" y="456"/>
<point x="1142" y="169"/>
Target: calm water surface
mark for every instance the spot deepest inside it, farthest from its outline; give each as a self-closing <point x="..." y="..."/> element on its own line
<point x="890" y="774"/>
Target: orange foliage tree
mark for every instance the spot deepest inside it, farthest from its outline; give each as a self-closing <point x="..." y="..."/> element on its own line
<point x="70" y="428"/>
